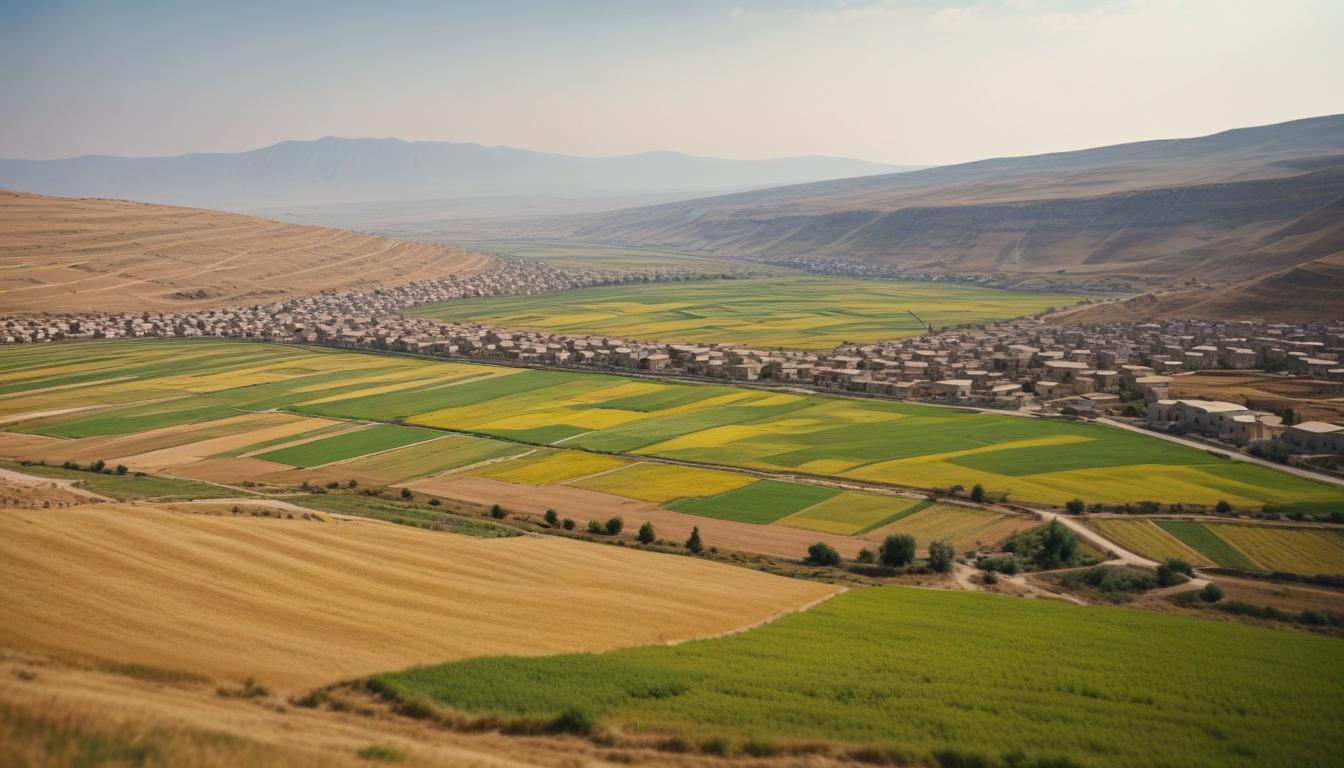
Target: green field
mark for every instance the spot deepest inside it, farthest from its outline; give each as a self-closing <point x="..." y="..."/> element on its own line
<point x="130" y="487"/>
<point x="850" y="513"/>
<point x="1145" y="538"/>
<point x="762" y="502"/>
<point x="947" y="677"/>
<point x="1309" y="551"/>
<point x="800" y="312"/>
<point x="349" y="445"/>
<point x="1203" y="540"/>
<point x="904" y="444"/>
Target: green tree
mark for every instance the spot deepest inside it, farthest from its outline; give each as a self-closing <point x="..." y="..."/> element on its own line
<point x="1075" y="506"/>
<point x="941" y="555"/>
<point x="1058" y="546"/>
<point x="897" y="549"/>
<point x="978" y="494"/>
<point x="1211" y="593"/>
<point x="646" y="533"/>
<point x="865" y="556"/>
<point x="406" y="494"/>
<point x="498" y="512"/>
<point x="693" y="543"/>
<point x="568" y="524"/>
<point x="822" y="553"/>
<point x="122" y="469"/>
<point x="1223" y="507"/>
<point x="596" y="527"/>
<point x="615" y="525"/>
<point x="98" y="466"/>
<point x="551" y="517"/>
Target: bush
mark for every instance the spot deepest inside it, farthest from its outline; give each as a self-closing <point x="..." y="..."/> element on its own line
<point x="353" y="484"/>
<point x="941" y="555"/>
<point x="822" y="553"/>
<point x="551" y="517"/>
<point x="122" y="469"/>
<point x="1006" y="564"/>
<point x="1075" y="506"/>
<point x="573" y="720"/>
<point x="989" y="578"/>
<point x="406" y="494"/>
<point x="615" y="525"/>
<point x="1223" y="507"/>
<point x="381" y="752"/>
<point x="498" y="512"/>
<point x="568" y="524"/>
<point x="693" y="543"/>
<point x="1211" y="593"/>
<point x="865" y="556"/>
<point x="1047" y="547"/>
<point x="1110" y="579"/>
<point x="647" y="534"/>
<point x="98" y="466"/>
<point x="1173" y="572"/>
<point x="434" y="502"/>
<point x="978" y="493"/>
<point x="897" y="549"/>
<point x="596" y="527"/>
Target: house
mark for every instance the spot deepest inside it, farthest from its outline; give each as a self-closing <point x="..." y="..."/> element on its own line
<point x="1315" y="437"/>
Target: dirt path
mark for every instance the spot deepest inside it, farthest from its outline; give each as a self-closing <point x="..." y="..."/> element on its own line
<point x="65" y="484"/>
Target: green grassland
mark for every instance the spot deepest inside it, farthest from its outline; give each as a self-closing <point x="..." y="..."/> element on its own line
<point x="1203" y="540"/>
<point x="130" y="486"/>
<point x="349" y="445"/>
<point x="793" y="311"/>
<point x="762" y="502"/>
<point x="947" y="677"/>
<point x="910" y="445"/>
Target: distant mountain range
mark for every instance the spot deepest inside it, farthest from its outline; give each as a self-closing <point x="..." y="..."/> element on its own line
<point x="341" y="171"/>
<point x="1228" y="207"/>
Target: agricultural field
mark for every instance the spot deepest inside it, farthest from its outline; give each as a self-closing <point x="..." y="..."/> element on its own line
<point x="661" y="483"/>
<point x="193" y="386"/>
<point x="551" y="467"/>
<point x="851" y="513"/>
<point x="350" y="445"/>
<point x="1302" y="550"/>
<point x="298" y="602"/>
<point x="762" y="502"/>
<point x="608" y="257"/>
<point x="926" y="676"/>
<point x="799" y="312"/>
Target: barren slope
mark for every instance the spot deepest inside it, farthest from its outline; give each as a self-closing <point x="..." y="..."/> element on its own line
<point x="71" y="255"/>
<point x="301" y="602"/>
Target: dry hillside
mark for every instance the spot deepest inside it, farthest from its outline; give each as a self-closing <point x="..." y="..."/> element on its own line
<point x="74" y="254"/>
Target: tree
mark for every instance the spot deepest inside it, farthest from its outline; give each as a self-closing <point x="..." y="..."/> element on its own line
<point x="865" y="556"/>
<point x="897" y="549"/>
<point x="98" y="466"/>
<point x="568" y="524"/>
<point x="615" y="525"/>
<point x="434" y="502"/>
<point x="551" y="517"/>
<point x="1058" y="546"/>
<point x="1173" y="572"/>
<point x="122" y="469"/>
<point x="1075" y="506"/>
<point x="352" y="484"/>
<point x="596" y="527"/>
<point x="978" y="494"/>
<point x="1223" y="507"/>
<point x="693" y="543"/>
<point x="406" y="494"/>
<point x="1211" y="593"/>
<point x="822" y="553"/>
<point x="646" y="533"/>
<point x="498" y="512"/>
<point x="941" y="555"/>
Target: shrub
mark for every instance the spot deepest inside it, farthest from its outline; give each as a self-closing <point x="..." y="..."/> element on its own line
<point x="596" y="527"/>
<point x="573" y="720"/>
<point x="434" y="502"/>
<point x="69" y="465"/>
<point x="551" y="517"/>
<point x="865" y="556"/>
<point x="822" y="553"/>
<point x="647" y="534"/>
<point x="498" y="512"/>
<point x="941" y="555"/>
<point x="406" y="494"/>
<point x="98" y="466"/>
<point x="693" y="543"/>
<point x="1000" y="564"/>
<point x="989" y="578"/>
<point x="1223" y="507"/>
<point x="1211" y="593"/>
<point x="615" y="525"/>
<point x="352" y="484"/>
<point x="1075" y="506"/>
<point x="568" y="524"/>
<point x="978" y="493"/>
<point x="1170" y="573"/>
<point x="381" y="752"/>
<point x="122" y="469"/>
<point x="897" y="549"/>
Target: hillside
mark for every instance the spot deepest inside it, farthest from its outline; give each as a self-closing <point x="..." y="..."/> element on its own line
<point x="77" y="255"/>
<point x="336" y="170"/>
<point x="1150" y="212"/>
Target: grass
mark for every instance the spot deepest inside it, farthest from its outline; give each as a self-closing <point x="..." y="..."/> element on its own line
<point x="1203" y="540"/>
<point x="949" y="678"/>
<point x="804" y="312"/>
<point x="349" y="445"/>
<point x="661" y="483"/>
<point x="909" y="445"/>
<point x="130" y="486"/>
<point x="762" y="502"/>
<point x="1145" y="538"/>
<point x="1307" y="551"/>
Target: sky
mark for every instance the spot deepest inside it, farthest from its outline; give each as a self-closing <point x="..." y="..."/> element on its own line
<point x="901" y="81"/>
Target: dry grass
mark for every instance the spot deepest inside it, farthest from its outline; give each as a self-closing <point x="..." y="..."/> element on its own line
<point x="295" y="602"/>
<point x="72" y="254"/>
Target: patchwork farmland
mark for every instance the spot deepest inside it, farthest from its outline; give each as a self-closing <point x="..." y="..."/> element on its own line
<point x="118" y="400"/>
<point x="799" y="312"/>
<point x="1307" y="551"/>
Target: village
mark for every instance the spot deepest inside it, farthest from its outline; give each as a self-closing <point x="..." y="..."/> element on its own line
<point x="1119" y="370"/>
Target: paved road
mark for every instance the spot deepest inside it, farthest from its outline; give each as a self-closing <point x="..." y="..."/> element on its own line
<point x="1324" y="478"/>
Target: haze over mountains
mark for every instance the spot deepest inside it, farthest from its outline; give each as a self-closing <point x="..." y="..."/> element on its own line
<point x="1234" y="205"/>
<point x="335" y="171"/>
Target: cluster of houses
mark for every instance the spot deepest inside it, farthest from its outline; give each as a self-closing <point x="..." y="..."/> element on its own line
<point x="1024" y="364"/>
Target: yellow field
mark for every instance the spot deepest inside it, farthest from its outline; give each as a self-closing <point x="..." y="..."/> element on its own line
<point x="1291" y="550"/>
<point x="965" y="527"/>
<point x="301" y="603"/>
<point x="551" y="467"/>
<point x="661" y="483"/>
<point x="1145" y="538"/>
<point x="847" y="513"/>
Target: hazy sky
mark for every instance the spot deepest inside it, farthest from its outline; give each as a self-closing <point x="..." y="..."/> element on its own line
<point x="912" y="81"/>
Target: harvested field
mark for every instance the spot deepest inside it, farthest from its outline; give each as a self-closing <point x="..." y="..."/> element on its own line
<point x="83" y="255"/>
<point x="300" y="603"/>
